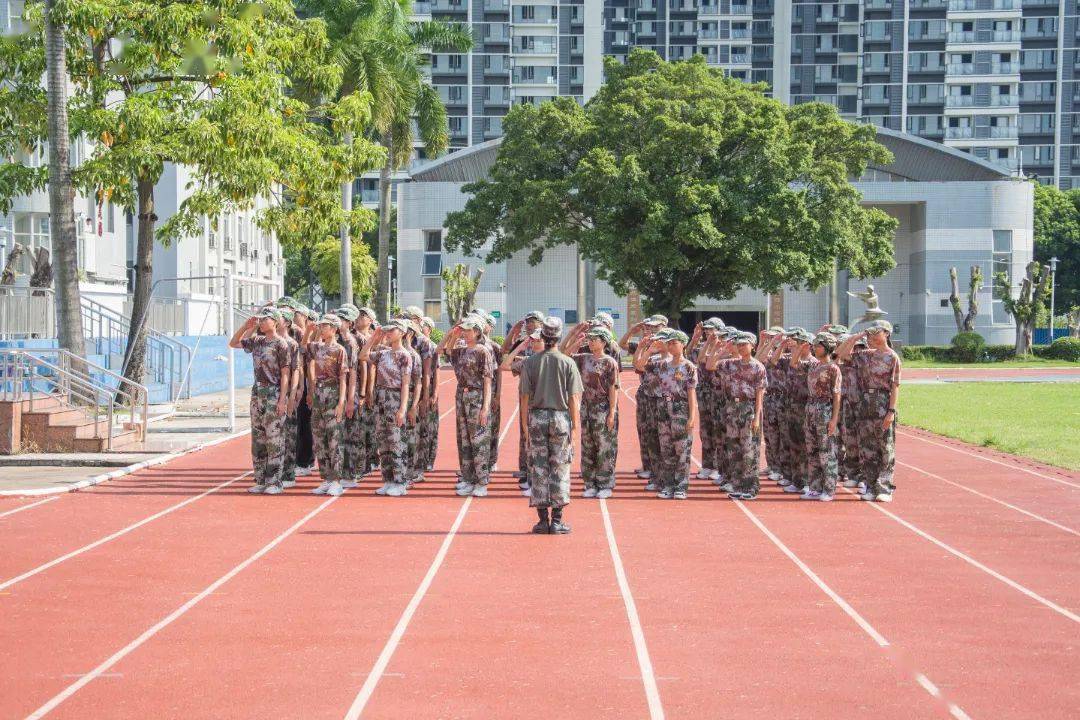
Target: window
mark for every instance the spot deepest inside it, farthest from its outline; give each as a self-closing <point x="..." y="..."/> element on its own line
<point x="433" y="297"/>
<point x="432" y="253"/>
<point x="1002" y="263"/>
<point x="433" y="241"/>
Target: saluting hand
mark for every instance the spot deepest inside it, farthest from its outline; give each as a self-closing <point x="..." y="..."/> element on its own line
<point x="339" y="411"/>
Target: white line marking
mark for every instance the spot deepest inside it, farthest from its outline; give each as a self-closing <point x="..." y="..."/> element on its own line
<point x="27" y="507"/>
<point x="975" y="563"/>
<point x="973" y="491"/>
<point x="648" y="678"/>
<point x="851" y="612"/>
<point x="502" y="435"/>
<point x="97" y="543"/>
<point x="1011" y="466"/>
<point x="173" y="616"/>
<point x="383" y="660"/>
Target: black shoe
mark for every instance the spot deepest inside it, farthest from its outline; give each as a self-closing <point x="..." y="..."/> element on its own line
<point x="542" y="528"/>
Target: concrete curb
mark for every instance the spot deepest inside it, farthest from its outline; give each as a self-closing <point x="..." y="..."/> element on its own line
<point x="88" y="482"/>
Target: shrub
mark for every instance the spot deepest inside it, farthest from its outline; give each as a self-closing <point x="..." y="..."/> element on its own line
<point x="498" y="339"/>
<point x="1066" y="348"/>
<point x="913" y="352"/>
<point x="968" y="347"/>
<point x="999" y="353"/>
<point x="436" y="335"/>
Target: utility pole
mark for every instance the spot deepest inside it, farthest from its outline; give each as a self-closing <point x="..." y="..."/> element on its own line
<point x="1053" y="281"/>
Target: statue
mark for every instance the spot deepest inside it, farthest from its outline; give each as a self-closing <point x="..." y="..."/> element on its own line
<point x="873" y="312"/>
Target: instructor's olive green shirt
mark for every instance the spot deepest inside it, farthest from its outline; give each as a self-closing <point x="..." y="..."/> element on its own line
<point x="549" y="379"/>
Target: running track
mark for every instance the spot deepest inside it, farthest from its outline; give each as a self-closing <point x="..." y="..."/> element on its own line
<point x="172" y="593"/>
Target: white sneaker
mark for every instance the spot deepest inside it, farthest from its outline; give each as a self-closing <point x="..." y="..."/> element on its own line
<point x="790" y="488"/>
<point x="810" y="495"/>
<point x="604" y="494"/>
<point x="651" y="487"/>
<point x="288" y="483"/>
<point x="589" y="493"/>
<point x="644" y="474"/>
<point x="396" y="490"/>
<point x="679" y="495"/>
<point x="466" y="489"/>
<point x="527" y="492"/>
<point x="303" y="471"/>
<point x="460" y="484"/>
<point x="257" y="489"/>
<point x="704" y="474"/>
<point x="321" y="490"/>
<point x="715" y="475"/>
<point x="665" y="494"/>
<point x="384" y="489"/>
<point x="348" y="484"/>
<point x="480" y="491"/>
<point x="775" y="476"/>
<point x="851" y="483"/>
<point x="884" y="497"/>
<point x="720" y="479"/>
<point x="335" y="489"/>
<point x="861" y="487"/>
<point x="783" y="481"/>
<point x="867" y="496"/>
<point x="523" y="483"/>
<point x="419" y="477"/>
<point x="273" y="490"/>
<point x="825" y="497"/>
<point x="727" y="486"/>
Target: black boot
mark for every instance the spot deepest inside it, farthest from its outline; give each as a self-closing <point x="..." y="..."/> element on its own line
<point x="544" y="526"/>
<point x="558" y="527"/>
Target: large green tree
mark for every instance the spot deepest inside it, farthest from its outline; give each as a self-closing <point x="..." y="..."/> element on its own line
<point x="681" y="182"/>
<point x="1057" y="234"/>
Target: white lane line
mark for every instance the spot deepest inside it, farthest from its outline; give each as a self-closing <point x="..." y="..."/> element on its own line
<point x="976" y="564"/>
<point x="379" y="669"/>
<point x="851" y="612"/>
<point x="27" y="507"/>
<point x="1011" y="466"/>
<point x="973" y="491"/>
<point x="648" y="677"/>
<point x="172" y="617"/>
<point x="108" y="538"/>
<point x="502" y="435"/>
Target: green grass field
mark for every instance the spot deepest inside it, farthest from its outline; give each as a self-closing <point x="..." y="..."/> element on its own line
<point x="1031" y="362"/>
<point x="1037" y="420"/>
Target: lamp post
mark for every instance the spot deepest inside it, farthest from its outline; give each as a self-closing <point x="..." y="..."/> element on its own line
<point x="389" y="285"/>
<point x="1053" y="279"/>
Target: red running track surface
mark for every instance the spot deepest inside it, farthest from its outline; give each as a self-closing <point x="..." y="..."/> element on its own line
<point x="959" y="600"/>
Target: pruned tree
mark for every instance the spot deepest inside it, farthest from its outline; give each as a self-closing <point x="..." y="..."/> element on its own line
<point x="459" y="290"/>
<point x="12" y="262"/>
<point x="42" y="275"/>
<point x="965" y="322"/>
<point x="1033" y="294"/>
<point x="1074" y="322"/>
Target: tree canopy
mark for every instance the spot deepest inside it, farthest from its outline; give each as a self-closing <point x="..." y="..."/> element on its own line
<point x="682" y="182"/>
<point x="1057" y="234"/>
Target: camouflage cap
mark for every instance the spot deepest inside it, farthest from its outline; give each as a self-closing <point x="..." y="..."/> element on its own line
<point x="776" y="330"/>
<point x="288" y="302"/>
<point x="678" y="336"/>
<point x="287" y="313"/>
<point x="347" y="312"/>
<point x="534" y="315"/>
<point x="792" y="331"/>
<point x="656" y="320"/>
<point x="268" y="312"/>
<point x="713" y="323"/>
<point x="663" y="334"/>
<point x="599" y="331"/>
<point x="552" y="327"/>
<point x="414" y="312"/>
<point x="398" y="324"/>
<point x="330" y="319"/>
<point x="879" y="326"/>
<point x="471" y="322"/>
<point x="744" y="338"/>
<point x="801" y="335"/>
<point x="427" y="322"/>
<point x="366" y="311"/>
<point x="311" y="314"/>
<point x="826" y="339"/>
<point x="837" y="330"/>
<point x="605" y="319"/>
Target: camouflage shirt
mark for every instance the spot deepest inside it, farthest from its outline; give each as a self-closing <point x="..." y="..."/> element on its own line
<point x="798" y="389"/>
<point x="650" y="381"/>
<point x="392" y="367"/>
<point x="598" y="375"/>
<point x="497" y="355"/>
<point x="850" y="387"/>
<point x="877" y="370"/>
<point x="824" y="379"/>
<point x="417" y="374"/>
<point x="269" y="355"/>
<point x="740" y="380"/>
<point x="674" y="381"/>
<point x="352" y="350"/>
<point x="294" y="351"/>
<point x="472" y="365"/>
<point x="329" y="360"/>
<point x="426" y="349"/>
<point x="777" y="374"/>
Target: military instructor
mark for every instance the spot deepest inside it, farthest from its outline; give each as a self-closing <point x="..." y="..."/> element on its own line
<point x="550" y="394"/>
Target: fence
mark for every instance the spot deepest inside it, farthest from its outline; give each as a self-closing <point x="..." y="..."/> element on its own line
<point x="1041" y="336"/>
<point x="26" y="313"/>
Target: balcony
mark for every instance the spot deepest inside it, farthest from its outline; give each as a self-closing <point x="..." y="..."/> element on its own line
<point x="878" y="4"/>
<point x="973" y="5"/>
<point x="496" y="33"/>
<point x="740" y="59"/>
<point x="959" y="100"/>
<point x="535" y="46"/>
<point x="959" y="133"/>
<point x="962" y="36"/>
<point x="1004" y="133"/>
<point x="523" y="77"/>
<point x="741" y="34"/>
<point x="1004" y="100"/>
<point x="448" y="6"/>
<point x="496" y="5"/>
<point x="537" y="19"/>
<point x="928" y="4"/>
<point x="709" y="10"/>
<point x="740" y="9"/>
<point x="998" y="68"/>
<point x="709" y="34"/>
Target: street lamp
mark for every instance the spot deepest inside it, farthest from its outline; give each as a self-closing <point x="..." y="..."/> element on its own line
<point x="1053" y="278"/>
<point x="389" y="283"/>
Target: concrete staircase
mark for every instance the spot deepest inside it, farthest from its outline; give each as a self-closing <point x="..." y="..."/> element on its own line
<point x="49" y="424"/>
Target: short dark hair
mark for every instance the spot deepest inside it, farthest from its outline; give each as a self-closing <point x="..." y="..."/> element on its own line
<point x="550" y="342"/>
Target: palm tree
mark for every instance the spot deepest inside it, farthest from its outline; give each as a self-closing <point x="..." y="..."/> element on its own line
<point x="383" y="52"/>
<point x="61" y="190"/>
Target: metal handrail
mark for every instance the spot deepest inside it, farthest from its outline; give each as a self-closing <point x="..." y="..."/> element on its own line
<point x="17" y="373"/>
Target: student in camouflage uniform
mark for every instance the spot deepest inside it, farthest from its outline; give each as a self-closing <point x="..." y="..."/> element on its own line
<point x="514" y="361"/>
<point x="328" y="372"/>
<point x="767" y="343"/>
<point x="353" y="466"/>
<point x="474" y="367"/>
<point x="675" y="379"/>
<point x="824" y="382"/>
<point x="549" y="401"/>
<point x="411" y="430"/>
<point x="797" y="393"/>
<point x="426" y="437"/>
<point x="521" y="338"/>
<point x="429" y="410"/>
<point x="707" y="402"/>
<point x="851" y="409"/>
<point x="723" y="446"/>
<point x="393" y="368"/>
<point x="777" y="365"/>
<point x="495" y="416"/>
<point x="877" y="369"/>
<point x="599" y="411"/>
<point x="269" y="397"/>
<point x="742" y="380"/>
<point x="362" y="434"/>
<point x="645" y="396"/>
<point x="296" y="388"/>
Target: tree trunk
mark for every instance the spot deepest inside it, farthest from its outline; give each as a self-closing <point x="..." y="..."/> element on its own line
<point x="135" y="355"/>
<point x="1074" y="323"/>
<point x="382" y="280"/>
<point x="8" y="276"/>
<point x="69" y="327"/>
<point x="346" y="238"/>
<point x="954" y="301"/>
<point x="965" y="322"/>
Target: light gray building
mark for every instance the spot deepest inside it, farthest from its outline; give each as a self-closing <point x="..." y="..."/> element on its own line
<point x="954" y="210"/>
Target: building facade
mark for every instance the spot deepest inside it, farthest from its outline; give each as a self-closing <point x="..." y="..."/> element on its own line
<point x="993" y="78"/>
<point x="954" y="210"/>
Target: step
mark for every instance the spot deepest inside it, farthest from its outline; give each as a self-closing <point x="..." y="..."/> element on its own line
<point x="121" y="439"/>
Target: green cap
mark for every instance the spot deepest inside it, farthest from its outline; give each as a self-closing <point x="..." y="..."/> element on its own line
<point x="745" y="337"/>
<point x="678" y="336"/>
<point x="347" y="312"/>
<point x="879" y="326"/>
<point x="330" y="319"/>
<point x="268" y="312"/>
<point x="288" y="302"/>
<point x="599" y="331"/>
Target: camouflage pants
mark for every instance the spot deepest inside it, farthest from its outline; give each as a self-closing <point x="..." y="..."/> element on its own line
<point x="849" y="440"/>
<point x="599" y="446"/>
<point x="288" y="462"/>
<point x="647" y="436"/>
<point x="822" y="466"/>
<point x="741" y="447"/>
<point x="551" y="449"/>
<point x="795" y="444"/>
<point x="390" y="436"/>
<point x="328" y="432"/>
<point x="707" y="424"/>
<point x="771" y="410"/>
<point x="473" y="438"/>
<point x="877" y="446"/>
<point x="410" y="435"/>
<point x="354" y="432"/>
<point x="523" y="456"/>
<point x="721" y="444"/>
<point x="675" y="443"/>
<point x="495" y="419"/>
<point x="267" y="435"/>
<point x="429" y="437"/>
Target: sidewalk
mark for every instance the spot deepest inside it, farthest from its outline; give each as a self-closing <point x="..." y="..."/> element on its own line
<point x="192" y="424"/>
